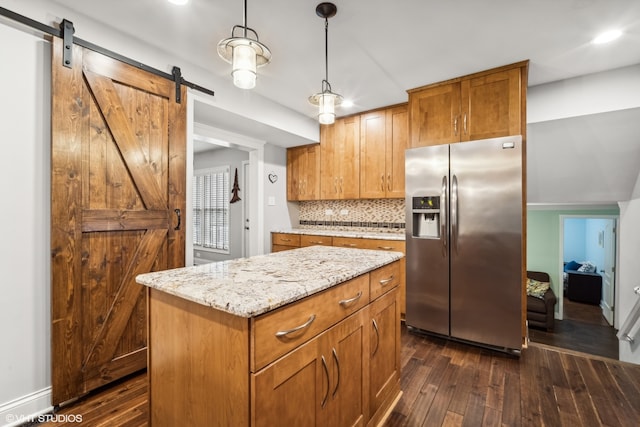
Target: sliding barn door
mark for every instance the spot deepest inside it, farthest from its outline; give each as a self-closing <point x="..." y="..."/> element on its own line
<point x="117" y="191"/>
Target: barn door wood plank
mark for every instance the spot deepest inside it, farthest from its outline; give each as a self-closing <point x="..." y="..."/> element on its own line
<point x="137" y="163"/>
<point x="125" y="300"/>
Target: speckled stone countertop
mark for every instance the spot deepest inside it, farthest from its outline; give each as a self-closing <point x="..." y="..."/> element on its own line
<point x="248" y="287"/>
<point x="396" y="234"/>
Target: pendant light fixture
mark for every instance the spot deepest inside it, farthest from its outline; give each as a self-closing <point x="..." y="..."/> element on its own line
<point x="326" y="100"/>
<point x="244" y="53"/>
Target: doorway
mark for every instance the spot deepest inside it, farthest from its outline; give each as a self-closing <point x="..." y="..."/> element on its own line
<point x="253" y="242"/>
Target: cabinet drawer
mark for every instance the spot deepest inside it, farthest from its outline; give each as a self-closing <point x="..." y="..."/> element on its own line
<point x="305" y="319"/>
<point x="285" y="239"/>
<point x="384" y="279"/>
<point x="378" y="244"/>
<point x="311" y="240"/>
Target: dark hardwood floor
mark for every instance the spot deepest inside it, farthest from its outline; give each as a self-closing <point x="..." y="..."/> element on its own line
<point x="583" y="329"/>
<point x="446" y="383"/>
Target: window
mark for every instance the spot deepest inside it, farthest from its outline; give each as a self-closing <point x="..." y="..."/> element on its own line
<point x="211" y="209"/>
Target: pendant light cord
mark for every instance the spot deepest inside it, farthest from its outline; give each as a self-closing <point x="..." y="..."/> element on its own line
<point x="244" y="23"/>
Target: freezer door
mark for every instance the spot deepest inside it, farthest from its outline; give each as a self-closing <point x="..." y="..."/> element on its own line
<point x="486" y="241"/>
<point x="427" y="275"/>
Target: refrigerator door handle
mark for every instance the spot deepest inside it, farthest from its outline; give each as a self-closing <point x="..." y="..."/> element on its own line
<point x="454" y="213"/>
<point x="443" y="216"/>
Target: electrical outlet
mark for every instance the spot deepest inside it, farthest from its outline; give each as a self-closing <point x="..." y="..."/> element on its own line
<point x="328" y="212"/>
<point x="344" y="212"/>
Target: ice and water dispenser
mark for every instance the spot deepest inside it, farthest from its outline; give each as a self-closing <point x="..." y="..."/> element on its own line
<point x="426" y="217"/>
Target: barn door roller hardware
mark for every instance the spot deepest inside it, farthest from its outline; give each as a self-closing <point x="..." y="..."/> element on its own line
<point x="66" y="27"/>
<point x="66" y="31"/>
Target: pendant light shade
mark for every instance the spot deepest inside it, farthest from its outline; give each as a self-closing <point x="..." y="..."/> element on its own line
<point x="326" y="100"/>
<point x="244" y="53"/>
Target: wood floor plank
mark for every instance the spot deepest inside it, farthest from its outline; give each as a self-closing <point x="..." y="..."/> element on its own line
<point x="604" y="408"/>
<point x="441" y="400"/>
<point x="566" y="407"/>
<point x="584" y="404"/>
<point x="623" y="409"/>
<point x="511" y="400"/>
<point x="530" y="387"/>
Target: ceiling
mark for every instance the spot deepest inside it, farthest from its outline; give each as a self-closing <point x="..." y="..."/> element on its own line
<point x="379" y="49"/>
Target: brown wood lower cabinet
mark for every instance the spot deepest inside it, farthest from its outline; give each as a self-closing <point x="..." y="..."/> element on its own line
<point x="330" y="359"/>
<point x="320" y="383"/>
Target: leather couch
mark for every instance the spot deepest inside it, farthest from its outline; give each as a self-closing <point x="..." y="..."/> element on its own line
<point x="584" y="287"/>
<point x="540" y="312"/>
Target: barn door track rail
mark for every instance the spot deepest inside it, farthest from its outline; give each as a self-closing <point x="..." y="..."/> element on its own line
<point x="66" y="33"/>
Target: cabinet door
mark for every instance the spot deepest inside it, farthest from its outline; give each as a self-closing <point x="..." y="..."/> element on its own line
<point x="310" y="173"/>
<point x="329" y="169"/>
<point x="491" y="105"/>
<point x="384" y="368"/>
<point x="397" y="134"/>
<point x="434" y="115"/>
<point x="347" y="156"/>
<point x="373" y="152"/>
<point x="286" y="392"/>
<point x="293" y="172"/>
<point x="344" y="398"/>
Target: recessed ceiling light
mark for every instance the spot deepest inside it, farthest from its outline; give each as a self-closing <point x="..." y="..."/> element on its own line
<point x="607" y="36"/>
<point x="179" y="2"/>
<point x="347" y="103"/>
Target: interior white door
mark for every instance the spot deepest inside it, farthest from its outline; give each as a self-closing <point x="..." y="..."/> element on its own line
<point x="608" y="270"/>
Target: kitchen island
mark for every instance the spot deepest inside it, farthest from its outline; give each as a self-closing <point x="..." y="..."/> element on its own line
<point x="306" y="337"/>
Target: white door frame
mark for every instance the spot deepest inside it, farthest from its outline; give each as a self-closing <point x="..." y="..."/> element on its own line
<point x="560" y="295"/>
<point x="198" y="131"/>
<point x="246" y="206"/>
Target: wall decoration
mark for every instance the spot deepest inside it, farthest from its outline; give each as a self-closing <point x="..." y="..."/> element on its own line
<point x="273" y="177"/>
<point x="236" y="189"/>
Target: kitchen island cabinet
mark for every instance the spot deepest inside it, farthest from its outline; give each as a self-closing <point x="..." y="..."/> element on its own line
<point x="288" y="338"/>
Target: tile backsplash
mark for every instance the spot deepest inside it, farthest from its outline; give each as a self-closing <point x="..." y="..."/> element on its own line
<point x="350" y="214"/>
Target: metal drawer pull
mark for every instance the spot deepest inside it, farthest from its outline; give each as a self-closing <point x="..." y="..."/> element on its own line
<point x="335" y="357"/>
<point x="385" y="282"/>
<point x="385" y="248"/>
<point x="306" y="324"/>
<point x="375" y="326"/>
<point x="286" y="240"/>
<point x="319" y="242"/>
<point x="347" y="302"/>
<point x="351" y="245"/>
<point x="326" y="372"/>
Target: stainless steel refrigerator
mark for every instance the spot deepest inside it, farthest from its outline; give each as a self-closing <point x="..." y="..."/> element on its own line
<point x="464" y="241"/>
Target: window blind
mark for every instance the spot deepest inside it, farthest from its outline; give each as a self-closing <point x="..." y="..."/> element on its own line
<point x="211" y="208"/>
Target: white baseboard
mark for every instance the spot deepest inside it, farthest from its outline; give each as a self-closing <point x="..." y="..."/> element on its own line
<point x="26" y="409"/>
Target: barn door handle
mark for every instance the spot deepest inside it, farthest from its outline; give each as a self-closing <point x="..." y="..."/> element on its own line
<point x="177" y="211"/>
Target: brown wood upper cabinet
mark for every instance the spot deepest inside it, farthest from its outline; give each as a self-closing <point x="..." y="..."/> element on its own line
<point x="482" y="105"/>
<point x="303" y="172"/>
<point x="383" y="139"/>
<point x="340" y="159"/>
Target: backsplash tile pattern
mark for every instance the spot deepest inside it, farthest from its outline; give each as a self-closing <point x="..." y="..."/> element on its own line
<point x="353" y="214"/>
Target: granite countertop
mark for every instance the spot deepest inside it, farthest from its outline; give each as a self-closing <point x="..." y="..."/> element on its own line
<point x="395" y="234"/>
<point x="248" y="287"/>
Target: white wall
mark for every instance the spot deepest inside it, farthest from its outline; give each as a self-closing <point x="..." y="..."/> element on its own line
<point x="580" y="96"/>
<point x="25" y="362"/>
<point x="276" y="215"/>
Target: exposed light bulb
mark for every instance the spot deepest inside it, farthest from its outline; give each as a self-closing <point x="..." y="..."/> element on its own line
<point x="326" y="108"/>
<point x="607" y="37"/>
<point x="244" y="66"/>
